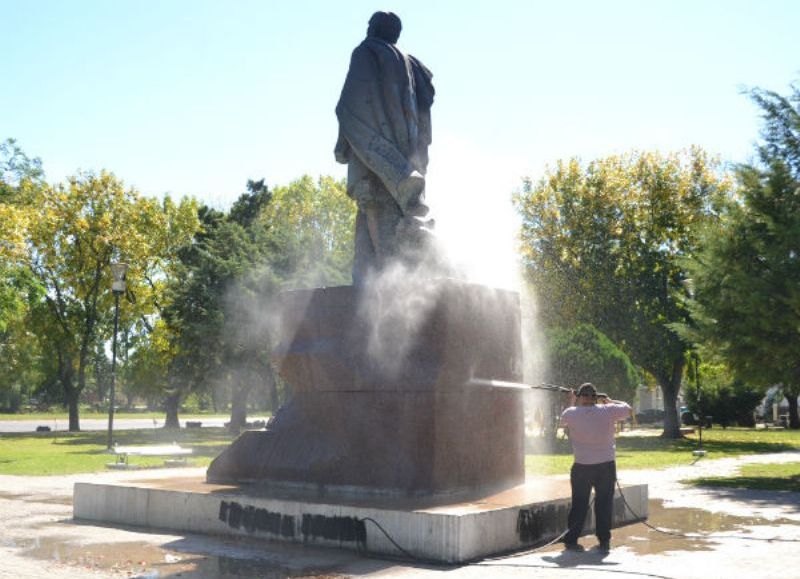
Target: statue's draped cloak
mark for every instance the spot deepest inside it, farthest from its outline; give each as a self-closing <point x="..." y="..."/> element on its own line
<point x="384" y="118"/>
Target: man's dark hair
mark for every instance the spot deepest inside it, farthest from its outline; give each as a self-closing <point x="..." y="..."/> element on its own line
<point x="386" y="26"/>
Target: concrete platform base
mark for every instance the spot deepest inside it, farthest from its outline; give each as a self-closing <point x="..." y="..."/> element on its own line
<point x="444" y="529"/>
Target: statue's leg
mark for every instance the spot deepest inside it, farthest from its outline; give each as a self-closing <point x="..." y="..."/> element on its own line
<point x="373" y="225"/>
<point x="387" y="217"/>
<point x="364" y="253"/>
<point x="376" y="221"/>
<point x="376" y="242"/>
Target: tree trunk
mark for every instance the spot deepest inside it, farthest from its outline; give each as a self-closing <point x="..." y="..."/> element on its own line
<point x="793" y="418"/>
<point x="217" y="400"/>
<point x="82" y="359"/>
<point x="239" y="408"/>
<point x="670" y="389"/>
<point x="171" y="407"/>
<point x="72" y="397"/>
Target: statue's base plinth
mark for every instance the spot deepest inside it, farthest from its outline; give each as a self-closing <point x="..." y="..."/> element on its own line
<point x="381" y="397"/>
<point x="454" y="531"/>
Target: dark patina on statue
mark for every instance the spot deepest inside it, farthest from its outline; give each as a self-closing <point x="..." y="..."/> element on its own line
<point x="384" y="117"/>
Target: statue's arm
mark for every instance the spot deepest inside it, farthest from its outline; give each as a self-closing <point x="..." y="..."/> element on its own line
<point x="342" y="150"/>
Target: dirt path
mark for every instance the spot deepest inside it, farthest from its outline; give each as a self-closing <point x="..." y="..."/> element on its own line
<point x="38" y="538"/>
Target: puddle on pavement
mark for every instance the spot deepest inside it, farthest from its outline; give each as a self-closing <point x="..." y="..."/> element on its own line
<point x="643" y="540"/>
<point x="146" y="561"/>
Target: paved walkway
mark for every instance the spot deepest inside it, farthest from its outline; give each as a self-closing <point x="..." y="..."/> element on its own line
<point x="755" y="534"/>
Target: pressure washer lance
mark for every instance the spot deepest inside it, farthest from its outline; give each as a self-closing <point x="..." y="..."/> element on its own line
<point x="518" y="385"/>
<point x="542" y="386"/>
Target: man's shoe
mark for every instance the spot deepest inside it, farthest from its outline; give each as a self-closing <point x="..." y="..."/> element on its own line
<point x="576" y="547"/>
<point x="604" y="546"/>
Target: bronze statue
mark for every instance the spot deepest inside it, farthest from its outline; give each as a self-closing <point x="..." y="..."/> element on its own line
<point x="384" y="133"/>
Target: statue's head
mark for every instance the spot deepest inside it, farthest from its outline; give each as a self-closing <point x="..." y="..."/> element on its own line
<point x="386" y="26"/>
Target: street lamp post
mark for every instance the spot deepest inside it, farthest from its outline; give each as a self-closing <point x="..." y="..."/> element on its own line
<point x="700" y="452"/>
<point x="118" y="271"/>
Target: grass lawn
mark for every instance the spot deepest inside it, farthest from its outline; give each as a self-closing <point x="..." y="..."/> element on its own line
<point x="63" y="417"/>
<point x="54" y="453"/>
<point x="634" y="452"/>
<point x="768" y="477"/>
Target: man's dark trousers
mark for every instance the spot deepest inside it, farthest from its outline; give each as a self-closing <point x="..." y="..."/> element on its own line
<point x="582" y="478"/>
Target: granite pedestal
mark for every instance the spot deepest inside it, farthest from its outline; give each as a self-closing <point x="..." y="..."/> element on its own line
<point x="380" y="395"/>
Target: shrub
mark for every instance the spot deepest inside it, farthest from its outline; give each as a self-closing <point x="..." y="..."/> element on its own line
<point x="728" y="403"/>
<point x="584" y="354"/>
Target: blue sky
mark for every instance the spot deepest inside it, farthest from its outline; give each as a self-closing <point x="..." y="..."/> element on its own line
<point x="195" y="97"/>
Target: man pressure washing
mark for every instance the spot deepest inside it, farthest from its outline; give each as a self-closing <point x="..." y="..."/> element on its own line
<point x="591" y="422"/>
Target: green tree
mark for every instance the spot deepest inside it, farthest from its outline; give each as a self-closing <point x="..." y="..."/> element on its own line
<point x="146" y="374"/>
<point x="192" y="316"/>
<point x="20" y="355"/>
<point x="309" y="227"/>
<point x="17" y="169"/>
<point x="220" y="335"/>
<point x="248" y="207"/>
<point x="81" y="226"/>
<point x="584" y="354"/>
<point x="747" y="277"/>
<point x="223" y="304"/>
<point x="170" y="229"/>
<point x="604" y="242"/>
<point x="20" y="175"/>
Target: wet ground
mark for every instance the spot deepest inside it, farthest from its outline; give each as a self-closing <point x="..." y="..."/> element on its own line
<point x="146" y="560"/>
<point x="703" y="533"/>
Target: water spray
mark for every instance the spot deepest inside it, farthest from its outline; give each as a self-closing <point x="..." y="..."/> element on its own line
<point x="518" y="385"/>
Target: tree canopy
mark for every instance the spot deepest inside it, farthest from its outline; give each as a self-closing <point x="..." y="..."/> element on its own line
<point x="603" y="242"/>
<point x="200" y="301"/>
<point x="584" y="354"/>
<point x="746" y="277"/>
<point x="224" y="306"/>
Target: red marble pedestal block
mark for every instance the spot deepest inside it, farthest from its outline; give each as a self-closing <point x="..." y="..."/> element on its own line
<point x="380" y="393"/>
